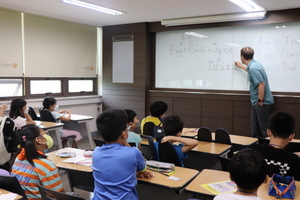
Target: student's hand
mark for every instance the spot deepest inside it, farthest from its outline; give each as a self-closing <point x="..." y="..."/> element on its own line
<point x="68" y="111"/>
<point x="62" y="111"/>
<point x="147" y="174"/>
<point x="4" y="107"/>
<point x="167" y="139"/>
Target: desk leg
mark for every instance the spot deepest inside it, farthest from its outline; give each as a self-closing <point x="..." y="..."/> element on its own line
<point x="89" y="134"/>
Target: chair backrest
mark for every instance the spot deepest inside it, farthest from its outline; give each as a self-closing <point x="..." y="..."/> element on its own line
<point x="32" y="114"/>
<point x="204" y="134"/>
<point x="148" y="129"/>
<point x="293" y="147"/>
<point x="11" y="183"/>
<point x="158" y="133"/>
<point x="80" y="179"/>
<point x="132" y="144"/>
<point x="99" y="142"/>
<point x="263" y="141"/>
<point x="48" y="194"/>
<point x="152" y="148"/>
<point x="167" y="153"/>
<point x="224" y="162"/>
<point x="46" y="116"/>
<point x="222" y="136"/>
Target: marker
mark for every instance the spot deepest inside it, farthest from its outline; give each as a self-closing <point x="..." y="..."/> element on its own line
<point x="172" y="172"/>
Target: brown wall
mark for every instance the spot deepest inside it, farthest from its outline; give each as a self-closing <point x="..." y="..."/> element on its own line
<point x="226" y="109"/>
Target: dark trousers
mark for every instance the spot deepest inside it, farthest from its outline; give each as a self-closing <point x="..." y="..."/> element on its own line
<point x="259" y="120"/>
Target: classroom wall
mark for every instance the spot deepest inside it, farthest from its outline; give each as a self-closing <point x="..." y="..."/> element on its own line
<point x="214" y="109"/>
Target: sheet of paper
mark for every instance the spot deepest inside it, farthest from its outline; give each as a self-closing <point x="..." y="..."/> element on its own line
<point x="8" y="196"/>
<point x="174" y="178"/>
<point x="220" y="187"/>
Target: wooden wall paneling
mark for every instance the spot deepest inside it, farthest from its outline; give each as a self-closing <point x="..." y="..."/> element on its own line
<point x="217" y="114"/>
<point x="241" y="118"/>
<point x="189" y="110"/>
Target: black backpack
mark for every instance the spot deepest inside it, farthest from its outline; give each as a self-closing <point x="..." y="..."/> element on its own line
<point x="11" y="138"/>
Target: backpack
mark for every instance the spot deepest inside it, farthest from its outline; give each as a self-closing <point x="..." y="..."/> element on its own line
<point x="4" y="155"/>
<point x="11" y="138"/>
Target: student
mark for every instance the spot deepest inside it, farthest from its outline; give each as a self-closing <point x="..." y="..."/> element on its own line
<point x="281" y="132"/>
<point x="19" y="113"/>
<point x="132" y="122"/>
<point x="3" y="107"/>
<point x="248" y="170"/>
<point x="115" y="165"/>
<point x="157" y="112"/>
<point x="31" y="166"/>
<point x="172" y="127"/>
<point x="50" y="104"/>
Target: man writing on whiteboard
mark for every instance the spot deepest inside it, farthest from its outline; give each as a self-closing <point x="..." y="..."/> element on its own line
<point x="260" y="93"/>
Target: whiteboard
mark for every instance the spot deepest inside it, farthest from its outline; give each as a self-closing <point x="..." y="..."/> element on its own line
<point x="190" y="62"/>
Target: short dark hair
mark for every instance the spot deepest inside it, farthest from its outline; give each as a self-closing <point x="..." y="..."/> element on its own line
<point x="282" y="124"/>
<point x="172" y="125"/>
<point x="248" y="169"/>
<point x="111" y="123"/>
<point x="131" y="115"/>
<point x="247" y="53"/>
<point x="16" y="108"/>
<point x="49" y="101"/>
<point x="158" y="108"/>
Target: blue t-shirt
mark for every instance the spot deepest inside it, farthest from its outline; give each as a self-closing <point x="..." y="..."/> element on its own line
<point x="178" y="149"/>
<point x="114" y="170"/>
<point x="257" y="75"/>
<point x="133" y="137"/>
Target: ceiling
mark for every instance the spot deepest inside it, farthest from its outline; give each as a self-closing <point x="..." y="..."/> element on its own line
<point x="136" y="10"/>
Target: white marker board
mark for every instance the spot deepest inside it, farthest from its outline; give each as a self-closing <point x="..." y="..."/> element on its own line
<point x="186" y="61"/>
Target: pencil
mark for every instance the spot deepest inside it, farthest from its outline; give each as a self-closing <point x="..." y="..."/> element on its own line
<point x="163" y="173"/>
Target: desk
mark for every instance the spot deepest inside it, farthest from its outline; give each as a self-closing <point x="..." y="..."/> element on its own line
<point x="211" y="176"/>
<point x="7" y="192"/>
<point x="238" y="139"/>
<point x="81" y="119"/>
<point x="49" y="126"/>
<point x="189" y="132"/>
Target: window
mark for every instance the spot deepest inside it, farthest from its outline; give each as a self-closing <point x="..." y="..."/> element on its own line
<point x="45" y="87"/>
<point x="80" y="86"/>
<point x="11" y="87"/>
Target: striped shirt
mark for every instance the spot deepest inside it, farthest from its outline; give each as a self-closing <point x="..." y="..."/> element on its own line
<point x="44" y="172"/>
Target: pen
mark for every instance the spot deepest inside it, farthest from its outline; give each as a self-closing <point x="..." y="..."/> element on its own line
<point x="163" y="173"/>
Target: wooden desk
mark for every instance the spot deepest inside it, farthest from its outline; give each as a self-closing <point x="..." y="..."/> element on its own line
<point x="84" y="121"/>
<point x="211" y="176"/>
<point x="52" y="126"/>
<point x="239" y="140"/>
<point x="7" y="192"/>
<point x="58" y="161"/>
<point x="189" y="132"/>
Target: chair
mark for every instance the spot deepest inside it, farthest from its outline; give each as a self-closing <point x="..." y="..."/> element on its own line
<point x="148" y="129"/>
<point x="224" y="162"/>
<point x="32" y="114"/>
<point x="223" y="137"/>
<point x="47" y="116"/>
<point x="80" y="179"/>
<point x="263" y="141"/>
<point x="204" y="134"/>
<point x="48" y="194"/>
<point x="99" y="142"/>
<point x="167" y="153"/>
<point x="152" y="148"/>
<point x="11" y="183"/>
<point x="132" y="144"/>
<point x="293" y="147"/>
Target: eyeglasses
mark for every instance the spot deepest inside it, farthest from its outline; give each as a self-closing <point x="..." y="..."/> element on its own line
<point x="128" y="128"/>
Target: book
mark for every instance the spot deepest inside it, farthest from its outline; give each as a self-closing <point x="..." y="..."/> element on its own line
<point x="220" y="187"/>
<point x="80" y="160"/>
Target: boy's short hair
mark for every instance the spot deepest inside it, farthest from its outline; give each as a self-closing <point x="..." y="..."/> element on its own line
<point x="111" y="123"/>
<point x="282" y="124"/>
<point x="247" y="53"/>
<point x="172" y="125"/>
<point x="158" y="108"/>
<point x="248" y="169"/>
<point x="131" y="115"/>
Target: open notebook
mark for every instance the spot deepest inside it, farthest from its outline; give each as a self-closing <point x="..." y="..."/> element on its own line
<point x="80" y="160"/>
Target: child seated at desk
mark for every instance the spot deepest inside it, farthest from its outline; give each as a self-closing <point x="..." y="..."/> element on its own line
<point x="50" y="104"/>
<point x="157" y="112"/>
<point x="132" y="122"/>
<point x="31" y="166"/>
<point x="116" y="164"/>
<point x="19" y="113"/>
<point x="173" y="126"/>
<point x="248" y="169"/>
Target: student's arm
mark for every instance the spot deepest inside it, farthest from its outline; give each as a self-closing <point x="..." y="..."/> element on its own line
<point x="240" y="65"/>
<point x="67" y="117"/>
<point x="29" y="119"/>
<point x="261" y="92"/>
<point x="188" y="143"/>
<point x="139" y="146"/>
<point x="3" y="107"/>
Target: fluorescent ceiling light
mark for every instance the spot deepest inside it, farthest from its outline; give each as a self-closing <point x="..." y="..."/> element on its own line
<point x="213" y="18"/>
<point x="196" y="34"/>
<point x="248" y="5"/>
<point x="93" y="7"/>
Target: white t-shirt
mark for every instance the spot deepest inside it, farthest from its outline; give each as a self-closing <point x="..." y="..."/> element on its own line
<point x="231" y="196"/>
<point x="20" y="121"/>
